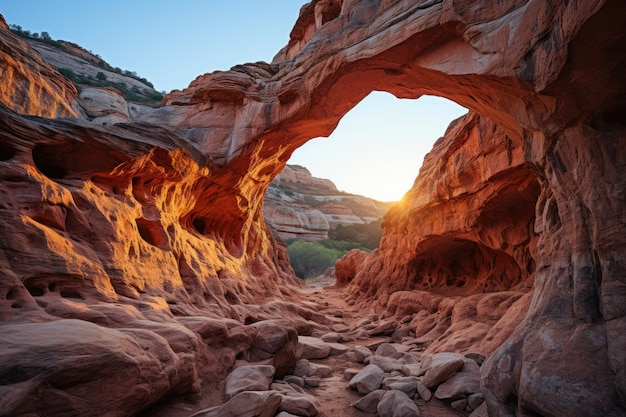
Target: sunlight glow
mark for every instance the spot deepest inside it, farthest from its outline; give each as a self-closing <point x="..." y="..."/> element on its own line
<point x="379" y="146"/>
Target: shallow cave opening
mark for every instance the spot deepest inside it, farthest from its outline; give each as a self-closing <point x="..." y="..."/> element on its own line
<point x="75" y="159"/>
<point x="453" y="266"/>
<point x="7" y="152"/>
<point x="152" y="232"/>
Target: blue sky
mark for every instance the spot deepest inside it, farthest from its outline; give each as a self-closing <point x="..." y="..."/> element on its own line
<point x="375" y="151"/>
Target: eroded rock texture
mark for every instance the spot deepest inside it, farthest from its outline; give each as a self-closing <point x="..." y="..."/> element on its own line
<point x="155" y="224"/>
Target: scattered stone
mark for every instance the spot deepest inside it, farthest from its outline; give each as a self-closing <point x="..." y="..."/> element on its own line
<point x="299" y="404"/>
<point x="282" y="386"/>
<point x="481" y="411"/>
<point x="278" y="340"/>
<point x="373" y="344"/>
<point x="475" y="400"/>
<point x="302" y="368"/>
<point x="361" y="335"/>
<point x="386" y="349"/>
<point x="459" y="405"/>
<point x="331" y="337"/>
<point x="423" y="391"/>
<point x="368" y="379"/>
<point x="400" y="333"/>
<point x="317" y="369"/>
<point x="441" y="366"/>
<point x="479" y="358"/>
<point x="463" y="383"/>
<point x="294" y="380"/>
<point x="245" y="404"/>
<point x="285" y="414"/>
<point x="337" y="348"/>
<point x="312" y="381"/>
<point x="360" y="353"/>
<point x="296" y="388"/>
<point x="385" y="363"/>
<point x="405" y="358"/>
<point x="385" y="328"/>
<point x="249" y="378"/>
<point x="396" y="404"/>
<point x="349" y="373"/>
<point x="313" y="348"/>
<point x="340" y="328"/>
<point x="369" y="403"/>
<point x="408" y="385"/>
<point x="413" y="369"/>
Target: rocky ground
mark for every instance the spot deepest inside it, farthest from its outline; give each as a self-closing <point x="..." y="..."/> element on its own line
<point x="363" y="365"/>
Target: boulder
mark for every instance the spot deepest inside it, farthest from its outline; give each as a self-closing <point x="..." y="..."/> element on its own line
<point x="278" y="340"/>
<point x="369" y="379"/>
<point x="359" y="353"/>
<point x="369" y="402"/>
<point x="441" y="367"/>
<point x="408" y="385"/>
<point x="463" y="383"/>
<point x="313" y="348"/>
<point x="299" y="404"/>
<point x="423" y="391"/>
<point x="396" y="404"/>
<point x="246" y="404"/>
<point x="385" y="363"/>
<point x="249" y="378"/>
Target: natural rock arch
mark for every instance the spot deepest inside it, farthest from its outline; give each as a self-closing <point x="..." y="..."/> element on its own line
<point x="530" y="68"/>
<point x="184" y="199"/>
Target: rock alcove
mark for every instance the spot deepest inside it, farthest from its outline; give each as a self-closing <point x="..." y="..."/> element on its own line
<point x="156" y="255"/>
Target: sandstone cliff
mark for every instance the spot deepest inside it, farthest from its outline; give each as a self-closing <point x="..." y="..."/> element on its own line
<point x="146" y="239"/>
<point x="107" y="95"/>
<point x="298" y="205"/>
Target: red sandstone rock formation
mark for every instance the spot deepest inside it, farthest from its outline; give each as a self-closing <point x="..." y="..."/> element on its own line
<point x="298" y="205"/>
<point x="349" y="266"/>
<point x="458" y="250"/>
<point x="29" y="84"/>
<point x="146" y="230"/>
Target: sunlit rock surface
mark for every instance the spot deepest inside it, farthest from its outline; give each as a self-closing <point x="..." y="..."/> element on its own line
<point x="154" y="228"/>
<point x="29" y="84"/>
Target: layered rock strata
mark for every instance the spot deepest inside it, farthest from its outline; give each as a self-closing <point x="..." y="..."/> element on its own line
<point x="301" y="206"/>
<point x="144" y="227"/>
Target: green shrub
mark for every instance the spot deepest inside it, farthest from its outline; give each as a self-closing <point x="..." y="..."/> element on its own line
<point x="367" y="235"/>
<point x="310" y="259"/>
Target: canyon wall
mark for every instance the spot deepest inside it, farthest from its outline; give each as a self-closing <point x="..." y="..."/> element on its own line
<point x="137" y="237"/>
<point x="301" y="206"/>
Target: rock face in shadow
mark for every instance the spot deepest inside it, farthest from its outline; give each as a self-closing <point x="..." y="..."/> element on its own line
<point x="155" y="226"/>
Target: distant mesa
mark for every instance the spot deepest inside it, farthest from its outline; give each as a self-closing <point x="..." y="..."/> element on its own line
<point x="298" y="205"/>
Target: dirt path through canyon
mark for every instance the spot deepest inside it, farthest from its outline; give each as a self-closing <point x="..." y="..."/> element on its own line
<point x="334" y="395"/>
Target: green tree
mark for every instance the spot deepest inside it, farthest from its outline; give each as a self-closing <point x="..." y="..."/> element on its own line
<point x="367" y="234"/>
<point x="101" y="76"/>
<point x="310" y="259"/>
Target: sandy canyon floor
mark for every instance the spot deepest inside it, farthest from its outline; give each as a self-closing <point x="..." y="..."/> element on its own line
<point x="334" y="396"/>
